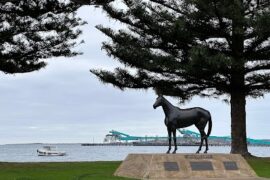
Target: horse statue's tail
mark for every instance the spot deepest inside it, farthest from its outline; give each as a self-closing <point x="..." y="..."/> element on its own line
<point x="209" y="126"/>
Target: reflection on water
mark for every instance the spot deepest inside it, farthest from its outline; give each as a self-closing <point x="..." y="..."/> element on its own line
<point x="76" y="152"/>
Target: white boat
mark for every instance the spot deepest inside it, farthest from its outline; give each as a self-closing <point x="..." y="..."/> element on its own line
<point x="50" y="151"/>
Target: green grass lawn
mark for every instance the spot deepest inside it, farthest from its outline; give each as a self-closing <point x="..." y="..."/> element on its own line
<point x="87" y="170"/>
<point x="261" y="166"/>
<point x="59" y="171"/>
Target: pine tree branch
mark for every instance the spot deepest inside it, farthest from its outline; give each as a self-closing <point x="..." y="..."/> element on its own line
<point x="258" y="84"/>
<point x="122" y="79"/>
<point x="262" y="54"/>
<point x="92" y="2"/>
<point x="257" y="68"/>
<point x="167" y="5"/>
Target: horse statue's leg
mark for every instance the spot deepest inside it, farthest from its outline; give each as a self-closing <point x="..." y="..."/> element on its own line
<point x="200" y="147"/>
<point x="204" y="137"/>
<point x="206" y="144"/>
<point x="201" y="126"/>
<point x="174" y="139"/>
<point x="170" y="138"/>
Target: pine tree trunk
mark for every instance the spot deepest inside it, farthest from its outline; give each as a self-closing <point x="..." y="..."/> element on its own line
<point x="238" y="124"/>
<point x="238" y="94"/>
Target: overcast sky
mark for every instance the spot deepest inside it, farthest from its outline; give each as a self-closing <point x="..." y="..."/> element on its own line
<point x="65" y="103"/>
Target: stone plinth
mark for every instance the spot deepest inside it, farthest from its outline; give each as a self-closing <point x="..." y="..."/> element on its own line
<point x="185" y="166"/>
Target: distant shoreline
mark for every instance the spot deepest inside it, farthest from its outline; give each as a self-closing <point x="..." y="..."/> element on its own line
<point x="158" y="144"/>
<point x="122" y="144"/>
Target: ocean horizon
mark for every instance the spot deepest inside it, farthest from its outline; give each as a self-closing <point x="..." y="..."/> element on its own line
<point x="76" y="152"/>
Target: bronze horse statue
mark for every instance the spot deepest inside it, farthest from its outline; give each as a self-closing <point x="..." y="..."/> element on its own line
<point x="180" y="118"/>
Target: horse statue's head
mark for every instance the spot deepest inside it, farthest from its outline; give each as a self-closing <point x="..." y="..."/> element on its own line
<point x="158" y="102"/>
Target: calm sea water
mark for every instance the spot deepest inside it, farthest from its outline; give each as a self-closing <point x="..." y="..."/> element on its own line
<point x="76" y="152"/>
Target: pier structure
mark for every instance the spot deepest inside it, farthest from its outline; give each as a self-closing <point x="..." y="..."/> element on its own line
<point x="187" y="137"/>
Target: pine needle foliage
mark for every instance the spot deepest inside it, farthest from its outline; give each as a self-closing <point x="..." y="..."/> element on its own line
<point x="33" y="30"/>
<point x="190" y="47"/>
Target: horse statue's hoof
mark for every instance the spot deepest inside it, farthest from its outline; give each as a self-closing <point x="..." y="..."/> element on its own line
<point x="198" y="152"/>
<point x="174" y="152"/>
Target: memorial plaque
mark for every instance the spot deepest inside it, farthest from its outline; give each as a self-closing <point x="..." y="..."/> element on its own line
<point x="171" y="166"/>
<point x="230" y="165"/>
<point x="201" y="166"/>
<point x="203" y="156"/>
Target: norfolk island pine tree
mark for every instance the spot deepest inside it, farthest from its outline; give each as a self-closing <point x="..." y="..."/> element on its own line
<point x="187" y="48"/>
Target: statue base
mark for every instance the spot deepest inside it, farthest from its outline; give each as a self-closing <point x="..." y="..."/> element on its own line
<point x="186" y="166"/>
